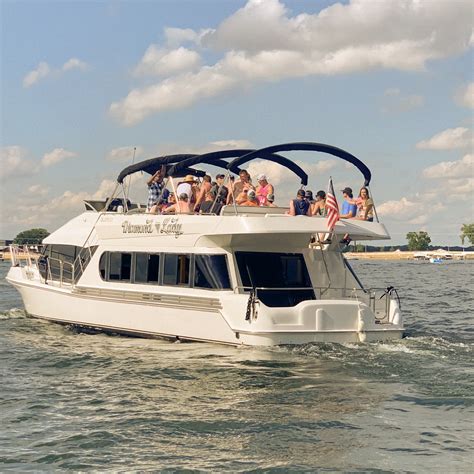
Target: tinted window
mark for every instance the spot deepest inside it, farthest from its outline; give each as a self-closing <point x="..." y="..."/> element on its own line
<point x="210" y="271"/>
<point x="119" y="266"/>
<point x="272" y="270"/>
<point x="60" y="262"/>
<point x="176" y="269"/>
<point x="66" y="253"/>
<point x="277" y="274"/>
<point x="103" y="265"/>
<point x="146" y="268"/>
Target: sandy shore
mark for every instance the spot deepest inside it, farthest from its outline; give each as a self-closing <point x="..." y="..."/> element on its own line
<point x="401" y="255"/>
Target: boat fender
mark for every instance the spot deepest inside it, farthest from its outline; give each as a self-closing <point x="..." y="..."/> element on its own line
<point x="395" y="313"/>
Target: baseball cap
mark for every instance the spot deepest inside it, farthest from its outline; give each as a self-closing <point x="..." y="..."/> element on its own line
<point x="261" y="177"/>
<point x="347" y="190"/>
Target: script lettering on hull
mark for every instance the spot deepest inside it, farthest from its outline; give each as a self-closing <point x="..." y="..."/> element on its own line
<point x="170" y="226"/>
<point x="146" y="228"/>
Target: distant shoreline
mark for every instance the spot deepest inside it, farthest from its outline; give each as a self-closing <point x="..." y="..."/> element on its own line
<point x="403" y="255"/>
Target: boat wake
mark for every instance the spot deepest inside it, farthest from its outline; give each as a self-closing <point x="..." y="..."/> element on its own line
<point x="13" y="313"/>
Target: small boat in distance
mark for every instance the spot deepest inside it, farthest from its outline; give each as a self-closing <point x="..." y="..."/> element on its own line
<point x="244" y="276"/>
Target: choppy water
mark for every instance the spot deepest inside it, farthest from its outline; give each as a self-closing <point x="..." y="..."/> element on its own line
<point x="95" y="402"/>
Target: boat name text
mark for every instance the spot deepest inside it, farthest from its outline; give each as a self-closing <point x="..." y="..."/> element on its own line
<point x="170" y="226"/>
<point x="146" y="228"/>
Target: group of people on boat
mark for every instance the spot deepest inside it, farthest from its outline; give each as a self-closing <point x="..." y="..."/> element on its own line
<point x="208" y="197"/>
<point x="361" y="208"/>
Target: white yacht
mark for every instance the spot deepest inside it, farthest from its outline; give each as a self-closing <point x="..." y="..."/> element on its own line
<point x="244" y="276"/>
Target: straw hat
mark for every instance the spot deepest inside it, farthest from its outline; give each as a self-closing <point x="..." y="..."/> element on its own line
<point x="189" y="179"/>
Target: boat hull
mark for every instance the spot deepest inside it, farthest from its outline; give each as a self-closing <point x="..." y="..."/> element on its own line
<point x="197" y="322"/>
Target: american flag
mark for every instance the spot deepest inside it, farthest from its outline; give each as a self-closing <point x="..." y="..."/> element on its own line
<point x="331" y="206"/>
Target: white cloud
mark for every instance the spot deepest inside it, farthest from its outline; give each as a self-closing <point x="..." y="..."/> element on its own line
<point x="177" y="36"/>
<point x="44" y="70"/>
<point x="124" y="153"/>
<point x="391" y="91"/>
<point x="451" y="169"/>
<point x="416" y="210"/>
<point x="55" y="156"/>
<point x="279" y="175"/>
<point x="175" y="148"/>
<point x="396" y="102"/>
<point x="228" y="145"/>
<point x="13" y="162"/>
<point x="163" y="62"/>
<point x="397" y="209"/>
<point x="74" y="63"/>
<point x="261" y="42"/>
<point x="37" y="190"/>
<point x="465" y="96"/>
<point x="41" y="71"/>
<point x="60" y="208"/>
<point x="461" y="189"/>
<point x="449" y="139"/>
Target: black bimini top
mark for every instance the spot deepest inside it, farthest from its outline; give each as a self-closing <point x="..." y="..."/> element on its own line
<point x="180" y="165"/>
<point x="305" y="146"/>
<point x="216" y="158"/>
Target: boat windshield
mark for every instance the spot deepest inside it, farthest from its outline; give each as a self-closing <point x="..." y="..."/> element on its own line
<point x="281" y="279"/>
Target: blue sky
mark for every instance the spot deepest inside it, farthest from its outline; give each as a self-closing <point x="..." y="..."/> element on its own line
<point x="391" y="82"/>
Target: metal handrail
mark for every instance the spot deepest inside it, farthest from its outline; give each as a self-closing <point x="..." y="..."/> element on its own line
<point x="61" y="280"/>
<point x="15" y="250"/>
<point x="367" y="296"/>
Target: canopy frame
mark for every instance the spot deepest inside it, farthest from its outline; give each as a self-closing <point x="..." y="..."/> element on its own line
<point x="305" y="146"/>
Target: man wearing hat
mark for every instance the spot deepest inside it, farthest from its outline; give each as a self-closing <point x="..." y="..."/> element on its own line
<point x="251" y="199"/>
<point x="186" y="187"/>
<point x="264" y="188"/>
<point x="299" y="206"/>
<point x="349" y="208"/>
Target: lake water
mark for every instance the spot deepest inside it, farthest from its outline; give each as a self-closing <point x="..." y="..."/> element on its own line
<point x="96" y="402"/>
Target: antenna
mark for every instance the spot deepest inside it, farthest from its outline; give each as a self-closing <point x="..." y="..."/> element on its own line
<point x="130" y="177"/>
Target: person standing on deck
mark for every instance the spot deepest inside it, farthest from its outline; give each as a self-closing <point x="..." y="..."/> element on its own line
<point x="349" y="208"/>
<point x="264" y="188"/>
<point x="155" y="187"/>
<point x="348" y="211"/>
<point x="245" y="183"/>
<point x="300" y="206"/>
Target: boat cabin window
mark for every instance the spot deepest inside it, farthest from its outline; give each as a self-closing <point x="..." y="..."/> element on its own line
<point x="280" y="279"/>
<point x="176" y="269"/>
<point x="147" y="268"/>
<point x="170" y="269"/>
<point x="210" y="271"/>
<point x="120" y="265"/>
<point x="56" y="262"/>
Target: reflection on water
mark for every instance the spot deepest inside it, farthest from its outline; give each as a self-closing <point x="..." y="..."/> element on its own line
<point x="76" y="401"/>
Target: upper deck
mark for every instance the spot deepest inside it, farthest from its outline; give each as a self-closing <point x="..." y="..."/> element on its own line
<point x="234" y="226"/>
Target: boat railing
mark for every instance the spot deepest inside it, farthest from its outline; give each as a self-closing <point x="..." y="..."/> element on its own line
<point x="58" y="272"/>
<point x="377" y="299"/>
<point x="21" y="256"/>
